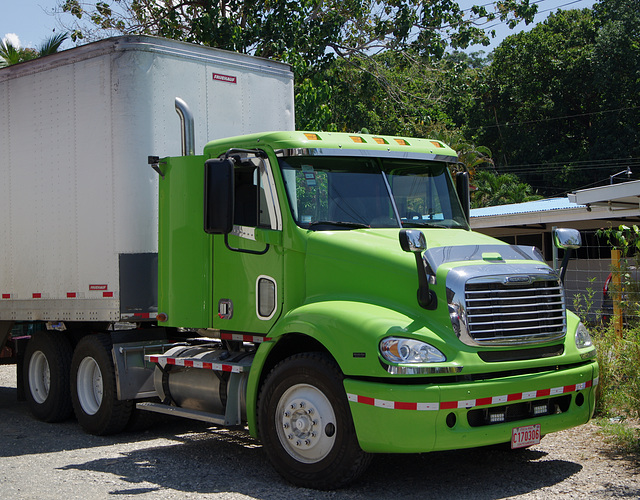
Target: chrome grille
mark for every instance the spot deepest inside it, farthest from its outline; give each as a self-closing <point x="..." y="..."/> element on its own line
<point x="502" y="312"/>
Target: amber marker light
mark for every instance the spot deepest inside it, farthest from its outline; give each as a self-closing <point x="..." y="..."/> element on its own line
<point x="312" y="137"/>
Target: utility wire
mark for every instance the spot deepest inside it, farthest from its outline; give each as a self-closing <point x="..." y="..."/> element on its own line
<point x="555" y="118"/>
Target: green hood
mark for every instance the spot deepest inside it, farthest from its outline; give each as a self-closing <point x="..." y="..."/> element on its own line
<point x="368" y="265"/>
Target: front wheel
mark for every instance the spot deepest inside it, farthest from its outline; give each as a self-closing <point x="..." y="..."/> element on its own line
<point x="305" y="423"/>
<point x="93" y="388"/>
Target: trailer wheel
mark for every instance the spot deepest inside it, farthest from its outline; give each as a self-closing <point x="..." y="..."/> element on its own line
<point x="46" y="367"/>
<point x="93" y="388"/>
<point x="305" y="424"/>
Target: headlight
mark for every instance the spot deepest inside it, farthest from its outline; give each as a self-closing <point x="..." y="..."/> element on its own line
<point x="398" y="350"/>
<point x="583" y="339"/>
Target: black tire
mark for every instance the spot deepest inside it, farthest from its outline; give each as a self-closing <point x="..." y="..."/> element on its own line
<point x="305" y="424"/>
<point x="47" y="362"/>
<point x="93" y="388"/>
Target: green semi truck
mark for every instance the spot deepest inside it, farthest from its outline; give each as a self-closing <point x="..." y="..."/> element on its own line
<point x="372" y="319"/>
<point x="323" y="290"/>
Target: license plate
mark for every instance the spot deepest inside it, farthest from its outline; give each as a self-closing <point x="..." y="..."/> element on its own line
<point x="525" y="436"/>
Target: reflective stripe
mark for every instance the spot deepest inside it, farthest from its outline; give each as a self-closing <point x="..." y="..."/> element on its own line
<point x="470" y="403"/>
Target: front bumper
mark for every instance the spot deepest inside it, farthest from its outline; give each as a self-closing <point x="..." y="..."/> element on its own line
<point x="395" y="418"/>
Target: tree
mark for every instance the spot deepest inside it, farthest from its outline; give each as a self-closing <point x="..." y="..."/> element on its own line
<point x="13" y="55"/>
<point x="309" y="34"/>
<point x="560" y="105"/>
<point x="269" y="27"/>
<point x="537" y="79"/>
<point x="616" y="70"/>
<point x="493" y="189"/>
<point x="388" y="93"/>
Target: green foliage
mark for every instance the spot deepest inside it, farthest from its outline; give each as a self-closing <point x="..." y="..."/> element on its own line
<point x="309" y="27"/>
<point x="623" y="435"/>
<point x="492" y="189"/>
<point x="334" y="46"/>
<point x="13" y="55"/>
<point x="469" y="154"/>
<point x="558" y="103"/>
<point x="627" y="240"/>
<point x="583" y="303"/>
<point x="618" y="391"/>
<point x="52" y="44"/>
<point x="534" y="78"/>
<point x="389" y="93"/>
<point x="623" y="238"/>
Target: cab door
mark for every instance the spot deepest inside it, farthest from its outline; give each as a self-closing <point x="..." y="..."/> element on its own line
<point x="248" y="262"/>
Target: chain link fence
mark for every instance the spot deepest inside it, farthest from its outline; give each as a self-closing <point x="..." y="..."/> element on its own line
<point x="600" y="285"/>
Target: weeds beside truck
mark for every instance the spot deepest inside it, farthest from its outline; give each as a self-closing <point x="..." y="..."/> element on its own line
<point x="322" y="289"/>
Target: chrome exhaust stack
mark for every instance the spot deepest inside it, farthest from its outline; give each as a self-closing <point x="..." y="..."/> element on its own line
<point x="186" y="128"/>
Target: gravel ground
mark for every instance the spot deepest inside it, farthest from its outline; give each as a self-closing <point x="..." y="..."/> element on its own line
<point x="183" y="459"/>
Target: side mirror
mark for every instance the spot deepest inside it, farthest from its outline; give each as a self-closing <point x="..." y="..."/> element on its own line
<point x="218" y="196"/>
<point x="568" y="240"/>
<point x="412" y="240"/>
<point x="462" y="188"/>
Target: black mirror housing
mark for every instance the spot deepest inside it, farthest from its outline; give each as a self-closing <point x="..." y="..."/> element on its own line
<point x="412" y="240"/>
<point x="462" y="188"/>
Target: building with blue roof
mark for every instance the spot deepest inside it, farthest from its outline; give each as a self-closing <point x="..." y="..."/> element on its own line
<point x="587" y="210"/>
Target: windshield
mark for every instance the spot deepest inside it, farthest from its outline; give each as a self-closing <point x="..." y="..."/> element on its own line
<point x="328" y="192"/>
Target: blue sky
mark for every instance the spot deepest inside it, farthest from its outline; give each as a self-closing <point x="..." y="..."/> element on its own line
<point x="30" y="21"/>
<point x="545" y="7"/>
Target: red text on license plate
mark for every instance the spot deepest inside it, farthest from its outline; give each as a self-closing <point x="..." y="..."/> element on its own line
<point x="525" y="436"/>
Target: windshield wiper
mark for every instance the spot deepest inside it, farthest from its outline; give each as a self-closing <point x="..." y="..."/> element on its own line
<point x="339" y="223"/>
<point x="426" y="224"/>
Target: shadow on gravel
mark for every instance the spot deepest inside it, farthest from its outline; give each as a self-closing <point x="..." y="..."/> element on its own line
<point x="189" y="457"/>
<point x="22" y="434"/>
<point x="226" y="461"/>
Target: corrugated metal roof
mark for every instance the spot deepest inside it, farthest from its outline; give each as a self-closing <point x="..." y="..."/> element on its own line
<point x="545" y="205"/>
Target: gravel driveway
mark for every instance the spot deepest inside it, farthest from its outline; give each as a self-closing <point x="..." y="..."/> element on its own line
<point x="183" y="459"/>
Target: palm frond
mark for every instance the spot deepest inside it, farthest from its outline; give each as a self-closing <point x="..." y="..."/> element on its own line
<point x="9" y="54"/>
<point x="52" y="44"/>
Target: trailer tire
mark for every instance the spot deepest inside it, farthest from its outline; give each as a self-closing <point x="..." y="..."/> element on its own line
<point x="93" y="388"/>
<point x="46" y="368"/>
<point x="306" y="426"/>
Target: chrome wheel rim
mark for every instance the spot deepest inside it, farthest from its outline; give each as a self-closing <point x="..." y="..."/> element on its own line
<point x="90" y="386"/>
<point x="306" y="423"/>
<point x="39" y="377"/>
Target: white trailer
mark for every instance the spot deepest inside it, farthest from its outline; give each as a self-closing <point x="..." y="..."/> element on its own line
<point x="79" y="205"/>
<point x="78" y="201"/>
